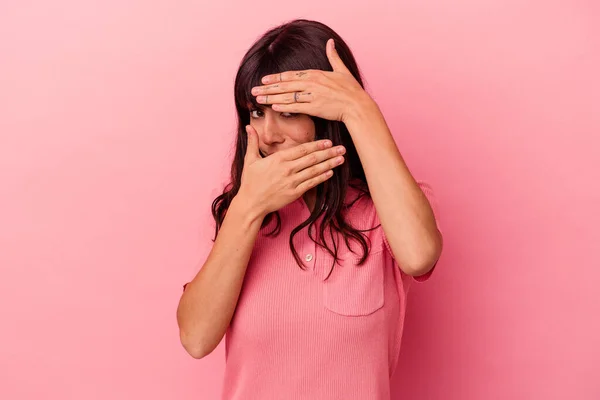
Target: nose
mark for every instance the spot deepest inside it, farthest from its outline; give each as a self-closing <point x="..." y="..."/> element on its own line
<point x="271" y="130"/>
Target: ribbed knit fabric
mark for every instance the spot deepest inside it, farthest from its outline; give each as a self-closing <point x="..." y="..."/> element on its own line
<point x="297" y="336"/>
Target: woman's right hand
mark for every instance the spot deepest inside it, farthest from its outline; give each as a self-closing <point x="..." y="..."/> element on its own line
<point x="272" y="182"/>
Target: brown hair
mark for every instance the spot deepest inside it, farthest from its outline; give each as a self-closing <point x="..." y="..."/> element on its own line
<point x="298" y="45"/>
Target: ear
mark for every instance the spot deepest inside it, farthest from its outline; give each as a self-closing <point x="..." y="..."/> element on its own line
<point x="334" y="58"/>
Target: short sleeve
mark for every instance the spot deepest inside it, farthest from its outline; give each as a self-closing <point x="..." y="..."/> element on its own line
<point x="431" y="197"/>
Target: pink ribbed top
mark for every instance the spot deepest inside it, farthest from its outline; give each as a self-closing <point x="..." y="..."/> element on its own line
<point x="295" y="335"/>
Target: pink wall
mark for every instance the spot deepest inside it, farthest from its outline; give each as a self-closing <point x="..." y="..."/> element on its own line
<point x="112" y="119"/>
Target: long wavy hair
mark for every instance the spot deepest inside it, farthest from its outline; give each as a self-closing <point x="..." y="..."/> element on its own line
<point x="299" y="45"/>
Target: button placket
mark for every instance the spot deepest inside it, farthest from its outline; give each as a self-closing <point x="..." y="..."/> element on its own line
<point x="308" y="248"/>
<point x="309" y="252"/>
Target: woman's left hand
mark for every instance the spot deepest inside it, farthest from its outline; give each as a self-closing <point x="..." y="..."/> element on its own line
<point x="332" y="95"/>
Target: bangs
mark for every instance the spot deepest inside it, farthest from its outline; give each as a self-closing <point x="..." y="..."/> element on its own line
<point x="250" y="75"/>
<point x="259" y="65"/>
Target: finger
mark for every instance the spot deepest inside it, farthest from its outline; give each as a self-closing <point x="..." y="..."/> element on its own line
<point x="281" y="87"/>
<point x="311" y="183"/>
<point x="319" y="161"/>
<point x="334" y="58"/>
<point x="286" y="98"/>
<point x="252" y="151"/>
<point x="288" y="76"/>
<point x="296" y="108"/>
<point x="296" y="152"/>
<point x="318" y="169"/>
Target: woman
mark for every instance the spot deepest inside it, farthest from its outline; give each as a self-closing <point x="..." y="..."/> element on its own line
<point x="307" y="286"/>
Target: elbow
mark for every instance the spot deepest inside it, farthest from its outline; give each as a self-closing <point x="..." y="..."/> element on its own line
<point x="424" y="261"/>
<point x="192" y="347"/>
<point x="192" y="336"/>
<point x="417" y="270"/>
<point x="195" y="347"/>
<point x="196" y="352"/>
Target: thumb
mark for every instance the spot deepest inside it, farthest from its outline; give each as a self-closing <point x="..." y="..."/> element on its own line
<point x="334" y="58"/>
<point x="252" y="152"/>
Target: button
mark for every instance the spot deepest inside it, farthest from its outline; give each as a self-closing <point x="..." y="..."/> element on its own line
<point x="308" y="257"/>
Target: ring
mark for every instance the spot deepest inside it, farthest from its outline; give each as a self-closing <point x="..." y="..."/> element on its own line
<point x="296" y="97"/>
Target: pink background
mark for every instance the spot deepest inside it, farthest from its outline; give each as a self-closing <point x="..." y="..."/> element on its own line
<point x="114" y="117"/>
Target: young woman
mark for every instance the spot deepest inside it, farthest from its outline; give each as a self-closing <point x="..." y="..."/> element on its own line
<point x="303" y="280"/>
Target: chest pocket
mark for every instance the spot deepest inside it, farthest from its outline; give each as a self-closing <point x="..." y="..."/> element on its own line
<point x="356" y="290"/>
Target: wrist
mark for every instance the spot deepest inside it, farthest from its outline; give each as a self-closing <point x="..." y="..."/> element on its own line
<point x="364" y="107"/>
<point x="246" y="208"/>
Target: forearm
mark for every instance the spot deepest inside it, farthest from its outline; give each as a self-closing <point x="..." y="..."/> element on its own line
<point x="406" y="216"/>
<point x="209" y="300"/>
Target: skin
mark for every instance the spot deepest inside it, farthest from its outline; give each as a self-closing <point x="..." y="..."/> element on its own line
<point x="294" y="162"/>
<point x="404" y="211"/>
<point x="283" y="130"/>
<point x="207" y="305"/>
